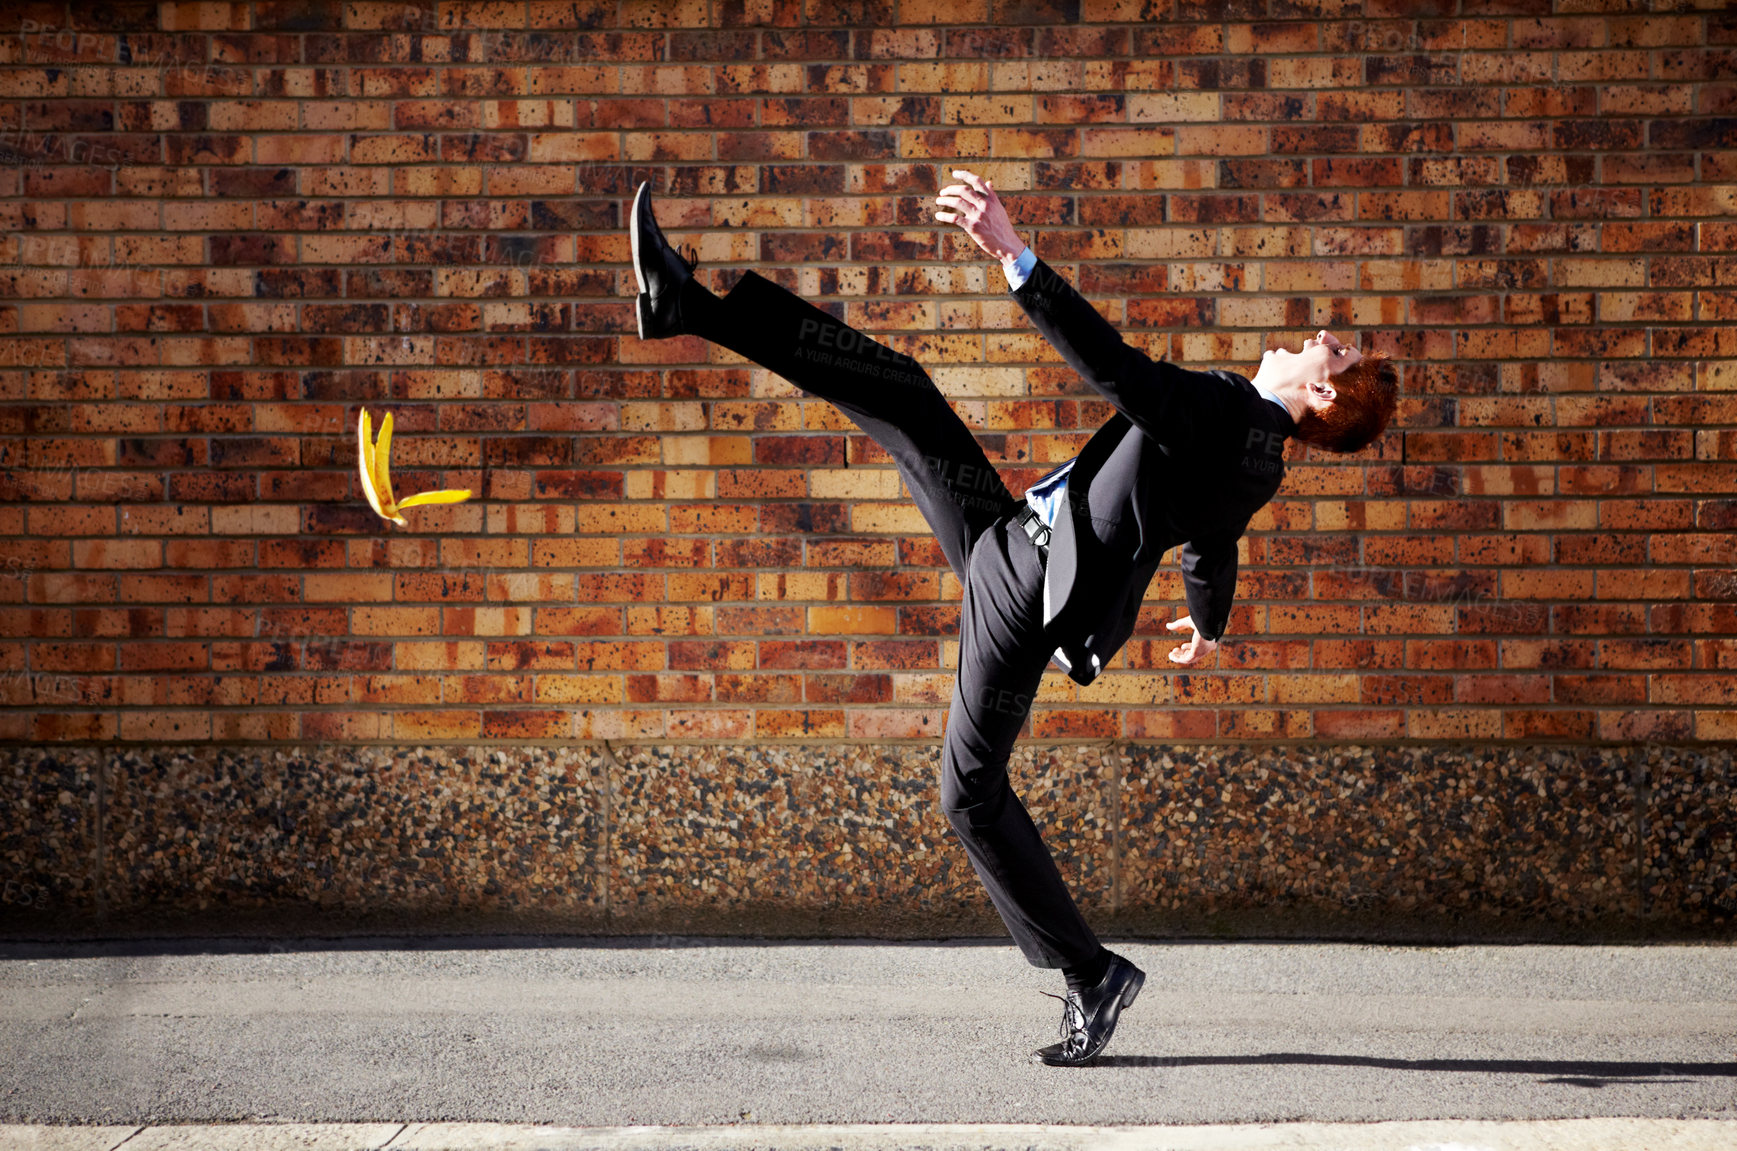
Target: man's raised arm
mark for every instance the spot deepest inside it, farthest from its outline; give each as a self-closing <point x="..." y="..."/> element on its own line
<point x="1162" y="399"/>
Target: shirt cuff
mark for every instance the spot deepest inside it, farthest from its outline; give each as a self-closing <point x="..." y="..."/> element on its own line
<point x="1021" y="269"/>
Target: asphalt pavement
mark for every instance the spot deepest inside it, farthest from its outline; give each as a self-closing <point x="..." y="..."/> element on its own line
<point x="739" y="1036"/>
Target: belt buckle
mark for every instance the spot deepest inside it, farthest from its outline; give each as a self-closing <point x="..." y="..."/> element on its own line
<point x="1033" y="525"/>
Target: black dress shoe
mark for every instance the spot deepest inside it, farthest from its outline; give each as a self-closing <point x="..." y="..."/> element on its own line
<point x="1089" y="1016"/>
<point x="661" y="271"/>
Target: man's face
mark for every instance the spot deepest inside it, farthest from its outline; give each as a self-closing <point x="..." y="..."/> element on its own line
<point x="1322" y="358"/>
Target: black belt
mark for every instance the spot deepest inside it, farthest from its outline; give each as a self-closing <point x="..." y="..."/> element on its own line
<point x="1035" y="529"/>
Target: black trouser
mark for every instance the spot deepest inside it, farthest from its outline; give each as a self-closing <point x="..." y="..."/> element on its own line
<point x="1002" y="646"/>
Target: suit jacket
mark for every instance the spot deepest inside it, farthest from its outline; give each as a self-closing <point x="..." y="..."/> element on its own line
<point x="1187" y="459"/>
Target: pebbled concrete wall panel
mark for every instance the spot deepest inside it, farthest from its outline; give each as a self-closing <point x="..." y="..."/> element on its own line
<point x="842" y="839"/>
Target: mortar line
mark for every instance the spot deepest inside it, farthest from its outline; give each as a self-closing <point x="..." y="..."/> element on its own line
<point x="98" y="862"/>
<point x="1640" y="776"/>
<point x="1115" y="806"/>
<point x="606" y="854"/>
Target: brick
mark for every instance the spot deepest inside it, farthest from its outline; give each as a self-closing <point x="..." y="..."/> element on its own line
<point x="1527" y="206"/>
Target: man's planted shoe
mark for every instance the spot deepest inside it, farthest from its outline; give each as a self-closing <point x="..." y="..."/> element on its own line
<point x="1089" y="1016"/>
<point x="662" y="272"/>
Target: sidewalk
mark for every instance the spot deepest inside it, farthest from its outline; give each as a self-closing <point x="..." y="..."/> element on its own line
<point x="1547" y="1135"/>
<point x="776" y="1044"/>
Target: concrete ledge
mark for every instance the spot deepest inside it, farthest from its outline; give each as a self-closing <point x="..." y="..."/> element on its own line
<point x="1442" y="1135"/>
<point x="1403" y="843"/>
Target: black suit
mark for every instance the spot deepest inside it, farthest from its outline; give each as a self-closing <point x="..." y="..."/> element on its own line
<point x="1187" y="460"/>
<point x="1173" y="465"/>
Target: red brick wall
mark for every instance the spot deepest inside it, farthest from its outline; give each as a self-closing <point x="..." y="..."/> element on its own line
<point x="228" y="226"/>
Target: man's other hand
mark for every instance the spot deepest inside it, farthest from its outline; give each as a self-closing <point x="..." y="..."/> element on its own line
<point x="1196" y="649"/>
<point x="979" y="211"/>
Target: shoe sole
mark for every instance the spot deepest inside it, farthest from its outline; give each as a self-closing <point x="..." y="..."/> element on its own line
<point x="644" y="301"/>
<point x="633" y="230"/>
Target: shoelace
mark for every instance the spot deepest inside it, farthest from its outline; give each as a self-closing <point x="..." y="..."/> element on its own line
<point x="692" y="261"/>
<point x="1073" y="1025"/>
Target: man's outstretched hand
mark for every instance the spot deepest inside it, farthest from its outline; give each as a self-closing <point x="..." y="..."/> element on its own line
<point x="978" y="210"/>
<point x="1196" y="649"/>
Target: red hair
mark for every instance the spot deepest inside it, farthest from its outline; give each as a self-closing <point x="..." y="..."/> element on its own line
<point x="1367" y="393"/>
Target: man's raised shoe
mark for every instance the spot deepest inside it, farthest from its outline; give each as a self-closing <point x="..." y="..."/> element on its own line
<point x="661" y="271"/>
<point x="1089" y="1016"/>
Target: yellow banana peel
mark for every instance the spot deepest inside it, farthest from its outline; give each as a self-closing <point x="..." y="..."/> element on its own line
<point x="376" y="463"/>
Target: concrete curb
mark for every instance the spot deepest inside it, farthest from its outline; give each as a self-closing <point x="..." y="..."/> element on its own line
<point x="1433" y="1135"/>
